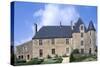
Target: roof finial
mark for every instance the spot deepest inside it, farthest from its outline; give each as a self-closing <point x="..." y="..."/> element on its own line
<point x="60" y="23"/>
<point x="35" y="27"/>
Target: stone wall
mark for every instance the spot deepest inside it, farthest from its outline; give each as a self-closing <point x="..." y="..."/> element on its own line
<point x="24" y="51"/>
<point x="60" y="47"/>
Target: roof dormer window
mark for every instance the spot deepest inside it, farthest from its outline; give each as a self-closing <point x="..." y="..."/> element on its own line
<point x="82" y="27"/>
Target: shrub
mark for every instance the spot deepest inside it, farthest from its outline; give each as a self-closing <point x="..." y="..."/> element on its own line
<point x="48" y="56"/>
<point x="65" y="55"/>
<point x="59" y="59"/>
<point x="20" y="61"/>
<point x="35" y="61"/>
<point x="56" y="56"/>
<point x="72" y="57"/>
<point x="75" y="51"/>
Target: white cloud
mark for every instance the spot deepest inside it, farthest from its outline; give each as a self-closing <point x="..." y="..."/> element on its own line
<point x="54" y="14"/>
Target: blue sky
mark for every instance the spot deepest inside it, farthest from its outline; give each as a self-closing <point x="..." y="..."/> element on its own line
<point x="28" y="13"/>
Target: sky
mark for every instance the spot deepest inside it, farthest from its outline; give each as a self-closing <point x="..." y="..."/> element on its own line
<point x="47" y="14"/>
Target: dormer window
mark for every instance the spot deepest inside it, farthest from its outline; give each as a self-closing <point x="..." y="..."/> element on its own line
<point x="67" y="41"/>
<point x="81" y="27"/>
<point x="81" y="34"/>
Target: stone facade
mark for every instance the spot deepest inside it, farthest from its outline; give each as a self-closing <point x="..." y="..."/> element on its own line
<point x="84" y="41"/>
<point x="24" y="51"/>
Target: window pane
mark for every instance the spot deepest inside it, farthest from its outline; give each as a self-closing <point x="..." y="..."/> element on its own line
<point x="67" y="41"/>
<point x="67" y="50"/>
<point x="40" y="42"/>
<point x="41" y="52"/>
<point x="81" y="34"/>
<point x="52" y="41"/>
<point x="22" y="57"/>
<point x="90" y="41"/>
<point x="18" y="57"/>
<point x="28" y="57"/>
<point x="81" y="27"/>
<point x="82" y="51"/>
<point x="81" y="42"/>
<point x="53" y="51"/>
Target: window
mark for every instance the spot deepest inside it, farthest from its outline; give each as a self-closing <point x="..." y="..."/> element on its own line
<point x="67" y="50"/>
<point x="81" y="42"/>
<point x="81" y="27"/>
<point x="41" y="52"/>
<point x="53" y="41"/>
<point x="40" y="42"/>
<point x="90" y="33"/>
<point x="90" y="51"/>
<point x="90" y="41"/>
<point x="22" y="57"/>
<point x="18" y="57"/>
<point x="25" y="49"/>
<point x="53" y="51"/>
<point x="28" y="57"/>
<point x="67" y="41"/>
<point x="82" y="51"/>
<point x="81" y="34"/>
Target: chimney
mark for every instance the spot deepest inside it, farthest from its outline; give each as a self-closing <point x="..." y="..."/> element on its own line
<point x="35" y="28"/>
<point x="60" y="23"/>
<point x="71" y="25"/>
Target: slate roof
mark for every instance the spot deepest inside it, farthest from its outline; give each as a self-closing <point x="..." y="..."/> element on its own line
<point x="76" y="28"/>
<point x="47" y="32"/>
<point x="91" y="26"/>
<point x="54" y="32"/>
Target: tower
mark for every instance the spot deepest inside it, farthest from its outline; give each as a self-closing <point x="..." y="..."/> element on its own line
<point x="92" y="38"/>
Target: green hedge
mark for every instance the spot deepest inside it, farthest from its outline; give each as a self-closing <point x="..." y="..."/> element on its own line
<point x="35" y="61"/>
<point x="20" y="61"/>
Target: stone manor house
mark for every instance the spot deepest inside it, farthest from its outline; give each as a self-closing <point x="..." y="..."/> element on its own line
<point x="59" y="40"/>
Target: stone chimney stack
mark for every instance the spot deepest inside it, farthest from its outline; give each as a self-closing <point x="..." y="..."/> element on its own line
<point x="35" y="28"/>
<point x="60" y="23"/>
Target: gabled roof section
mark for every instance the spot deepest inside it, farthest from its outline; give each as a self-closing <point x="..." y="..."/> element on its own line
<point x="91" y="26"/>
<point x="79" y="22"/>
<point x="47" y="32"/>
<point x="76" y="28"/>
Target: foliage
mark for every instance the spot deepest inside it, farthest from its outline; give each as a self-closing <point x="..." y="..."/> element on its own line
<point x="75" y="51"/>
<point x="49" y="61"/>
<point x="65" y="55"/>
<point x="82" y="57"/>
<point x="35" y="61"/>
<point x="56" y="56"/>
<point x="48" y="56"/>
<point x="20" y="61"/>
<point x="59" y="59"/>
<point x="72" y="57"/>
<point x="55" y="59"/>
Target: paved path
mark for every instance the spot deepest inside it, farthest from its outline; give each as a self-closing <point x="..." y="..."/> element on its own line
<point x="65" y="60"/>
